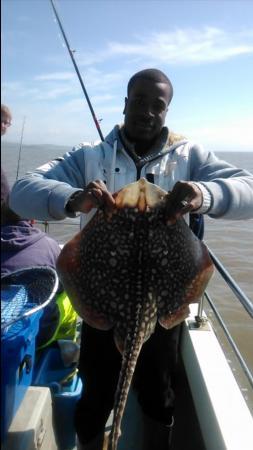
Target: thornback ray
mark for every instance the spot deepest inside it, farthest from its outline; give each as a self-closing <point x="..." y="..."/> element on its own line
<point x="129" y="268"/>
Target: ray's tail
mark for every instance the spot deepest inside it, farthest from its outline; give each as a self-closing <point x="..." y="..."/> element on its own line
<point x="133" y="345"/>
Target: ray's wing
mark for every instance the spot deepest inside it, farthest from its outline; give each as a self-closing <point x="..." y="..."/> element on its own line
<point x="185" y="268"/>
<point x="76" y="267"/>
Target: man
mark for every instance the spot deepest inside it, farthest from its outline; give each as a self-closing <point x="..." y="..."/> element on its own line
<point x="5" y="119"/>
<point x="142" y="147"/>
<point x="24" y="245"/>
<point x="5" y="123"/>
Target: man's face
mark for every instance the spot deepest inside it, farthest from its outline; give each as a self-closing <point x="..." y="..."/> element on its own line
<point x="145" y="110"/>
<point x="5" y="123"/>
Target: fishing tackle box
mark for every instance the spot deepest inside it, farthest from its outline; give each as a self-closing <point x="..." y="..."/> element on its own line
<point x="24" y="294"/>
<point x="17" y="359"/>
<point x="66" y="387"/>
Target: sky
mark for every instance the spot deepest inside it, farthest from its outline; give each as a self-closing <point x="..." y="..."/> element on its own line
<point x="204" y="46"/>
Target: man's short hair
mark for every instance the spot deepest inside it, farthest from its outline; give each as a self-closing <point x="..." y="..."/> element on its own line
<point x="150" y="74"/>
<point x="5" y="111"/>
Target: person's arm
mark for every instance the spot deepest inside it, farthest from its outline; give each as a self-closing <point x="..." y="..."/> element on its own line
<point x="230" y="188"/>
<point x="216" y="188"/>
<point x="44" y="193"/>
<point x="5" y="188"/>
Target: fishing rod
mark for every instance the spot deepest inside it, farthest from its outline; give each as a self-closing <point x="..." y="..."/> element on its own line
<point x="20" y="148"/>
<point x="77" y="71"/>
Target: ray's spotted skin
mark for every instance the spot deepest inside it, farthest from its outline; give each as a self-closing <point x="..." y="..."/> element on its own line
<point x="131" y="267"/>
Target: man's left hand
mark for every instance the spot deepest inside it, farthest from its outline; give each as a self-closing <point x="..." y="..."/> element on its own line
<point x="184" y="198"/>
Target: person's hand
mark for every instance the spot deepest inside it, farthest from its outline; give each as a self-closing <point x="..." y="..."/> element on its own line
<point x="94" y="195"/>
<point x="185" y="197"/>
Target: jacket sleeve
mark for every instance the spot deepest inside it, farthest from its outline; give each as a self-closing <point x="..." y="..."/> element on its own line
<point x="44" y="193"/>
<point x="231" y="188"/>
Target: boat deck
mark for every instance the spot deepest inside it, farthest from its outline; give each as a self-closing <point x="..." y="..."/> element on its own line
<point x="186" y="432"/>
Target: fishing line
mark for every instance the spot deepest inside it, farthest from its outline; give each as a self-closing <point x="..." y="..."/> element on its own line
<point x="71" y="53"/>
<point x="20" y="148"/>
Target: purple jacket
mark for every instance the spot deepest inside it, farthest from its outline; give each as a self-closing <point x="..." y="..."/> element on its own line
<point x="23" y="245"/>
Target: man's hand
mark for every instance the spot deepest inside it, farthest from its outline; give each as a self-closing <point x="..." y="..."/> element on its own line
<point x="184" y="198"/>
<point x="95" y="194"/>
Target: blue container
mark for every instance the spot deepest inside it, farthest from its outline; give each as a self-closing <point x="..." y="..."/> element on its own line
<point x="64" y="403"/>
<point x="66" y="389"/>
<point x="17" y="363"/>
<point x="49" y="368"/>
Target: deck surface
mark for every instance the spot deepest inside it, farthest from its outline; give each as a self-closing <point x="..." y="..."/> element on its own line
<point x="186" y="433"/>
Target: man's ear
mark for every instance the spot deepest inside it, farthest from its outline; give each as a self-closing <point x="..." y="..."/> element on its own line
<point x="124" y="110"/>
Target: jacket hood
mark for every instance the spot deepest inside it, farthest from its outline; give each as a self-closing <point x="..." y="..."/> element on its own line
<point x="19" y="236"/>
<point x="168" y="140"/>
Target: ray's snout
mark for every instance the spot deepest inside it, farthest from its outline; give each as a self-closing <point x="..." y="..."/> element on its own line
<point x="141" y="195"/>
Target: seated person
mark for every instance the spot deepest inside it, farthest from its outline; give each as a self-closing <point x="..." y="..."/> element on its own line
<point x="24" y="245"/>
<point x="5" y="119"/>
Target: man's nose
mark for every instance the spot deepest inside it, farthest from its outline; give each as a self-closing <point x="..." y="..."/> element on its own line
<point x="149" y="112"/>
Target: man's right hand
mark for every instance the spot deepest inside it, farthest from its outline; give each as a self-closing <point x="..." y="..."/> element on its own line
<point x="94" y="195"/>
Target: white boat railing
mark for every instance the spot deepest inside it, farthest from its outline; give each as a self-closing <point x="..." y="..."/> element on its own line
<point x="243" y="299"/>
<point x="230" y="339"/>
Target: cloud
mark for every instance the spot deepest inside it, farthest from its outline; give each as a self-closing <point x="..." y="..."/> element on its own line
<point x="226" y="135"/>
<point x="11" y="86"/>
<point x="56" y="76"/>
<point x="56" y="92"/>
<point x="180" y="46"/>
<point x="56" y="84"/>
<point x="68" y="120"/>
<point x="34" y="92"/>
